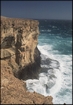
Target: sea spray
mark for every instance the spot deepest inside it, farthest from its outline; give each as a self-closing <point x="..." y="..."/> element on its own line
<point x="55" y="46"/>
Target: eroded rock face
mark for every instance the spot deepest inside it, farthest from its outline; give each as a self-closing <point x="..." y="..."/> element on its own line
<point x="19" y="38"/>
<point x="13" y="90"/>
<point x="20" y="57"/>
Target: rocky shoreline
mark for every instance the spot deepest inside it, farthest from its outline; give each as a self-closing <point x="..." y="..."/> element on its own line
<point x="20" y="60"/>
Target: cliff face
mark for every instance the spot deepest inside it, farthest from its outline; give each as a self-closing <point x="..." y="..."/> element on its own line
<point x="13" y="90"/>
<point x="20" y="58"/>
<point x="19" y="40"/>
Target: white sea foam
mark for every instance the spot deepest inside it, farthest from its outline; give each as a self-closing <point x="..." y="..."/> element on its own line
<point x="57" y="81"/>
<point x="65" y="77"/>
<point x="49" y="30"/>
<point x="54" y="26"/>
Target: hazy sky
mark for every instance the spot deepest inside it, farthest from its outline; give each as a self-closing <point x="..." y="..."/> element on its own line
<point x="37" y="9"/>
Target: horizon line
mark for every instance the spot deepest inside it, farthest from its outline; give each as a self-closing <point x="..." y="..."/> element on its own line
<point x="35" y="18"/>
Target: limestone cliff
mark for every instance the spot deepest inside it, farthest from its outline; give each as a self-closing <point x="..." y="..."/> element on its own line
<point x="20" y="58"/>
<point x="19" y="40"/>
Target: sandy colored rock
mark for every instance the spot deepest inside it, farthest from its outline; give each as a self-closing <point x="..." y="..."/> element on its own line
<point x="13" y="90"/>
<point x="20" y="60"/>
<point x="19" y="39"/>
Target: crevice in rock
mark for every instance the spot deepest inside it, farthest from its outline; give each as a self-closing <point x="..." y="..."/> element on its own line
<point x="19" y="39"/>
<point x="20" y="58"/>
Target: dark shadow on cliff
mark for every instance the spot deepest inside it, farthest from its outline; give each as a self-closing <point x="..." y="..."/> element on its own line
<point x="32" y="70"/>
<point x="7" y="42"/>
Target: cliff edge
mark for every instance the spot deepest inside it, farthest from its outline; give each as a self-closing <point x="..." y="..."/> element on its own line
<point x="20" y="60"/>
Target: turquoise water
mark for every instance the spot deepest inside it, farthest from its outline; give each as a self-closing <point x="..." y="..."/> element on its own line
<point x="55" y="43"/>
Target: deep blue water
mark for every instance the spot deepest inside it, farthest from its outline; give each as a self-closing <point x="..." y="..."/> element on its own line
<point x="55" y="43"/>
<point x="58" y="33"/>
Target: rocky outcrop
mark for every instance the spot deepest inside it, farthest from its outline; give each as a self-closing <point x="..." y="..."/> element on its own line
<point x="19" y="40"/>
<point x="20" y="58"/>
<point x="13" y="90"/>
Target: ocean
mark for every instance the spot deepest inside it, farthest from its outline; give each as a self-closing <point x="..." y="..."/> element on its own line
<point x="55" y="45"/>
